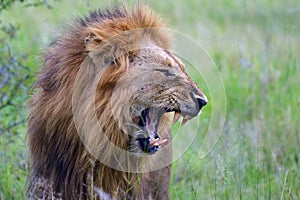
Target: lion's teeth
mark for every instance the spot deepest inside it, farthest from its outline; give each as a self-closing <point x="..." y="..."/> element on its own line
<point x="164" y="141"/>
<point x="185" y="120"/>
<point x="153" y="142"/>
<point x="177" y="115"/>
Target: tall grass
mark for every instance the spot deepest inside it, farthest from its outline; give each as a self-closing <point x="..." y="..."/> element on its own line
<point x="255" y="46"/>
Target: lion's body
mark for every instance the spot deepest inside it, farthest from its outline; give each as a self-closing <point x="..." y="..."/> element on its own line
<point x="96" y="79"/>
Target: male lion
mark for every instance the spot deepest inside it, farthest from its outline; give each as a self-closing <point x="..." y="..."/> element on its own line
<point x="98" y="125"/>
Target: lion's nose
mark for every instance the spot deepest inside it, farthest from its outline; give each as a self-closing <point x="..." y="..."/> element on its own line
<point x="201" y="102"/>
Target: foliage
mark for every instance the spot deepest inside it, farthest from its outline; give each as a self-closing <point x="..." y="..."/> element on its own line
<point x="6" y="4"/>
<point x="15" y="79"/>
<point x="13" y="76"/>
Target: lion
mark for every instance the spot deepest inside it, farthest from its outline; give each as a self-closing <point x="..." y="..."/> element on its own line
<point x="99" y="119"/>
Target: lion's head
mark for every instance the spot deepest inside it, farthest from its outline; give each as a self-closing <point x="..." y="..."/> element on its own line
<point x="149" y="82"/>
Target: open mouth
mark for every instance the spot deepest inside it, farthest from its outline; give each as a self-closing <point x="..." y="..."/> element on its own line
<point x="148" y="123"/>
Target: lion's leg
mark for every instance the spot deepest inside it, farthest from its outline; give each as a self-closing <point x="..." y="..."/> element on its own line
<point x="156" y="185"/>
<point x="41" y="188"/>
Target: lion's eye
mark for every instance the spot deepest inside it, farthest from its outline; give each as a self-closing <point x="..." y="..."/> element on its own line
<point x="131" y="59"/>
<point x="165" y="72"/>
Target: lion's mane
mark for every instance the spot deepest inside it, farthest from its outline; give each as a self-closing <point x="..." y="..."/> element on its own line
<point x="56" y="149"/>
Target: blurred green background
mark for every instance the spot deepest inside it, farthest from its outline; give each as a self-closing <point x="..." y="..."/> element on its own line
<point x="256" y="47"/>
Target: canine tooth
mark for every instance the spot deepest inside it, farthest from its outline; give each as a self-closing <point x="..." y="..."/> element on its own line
<point x="164" y="141"/>
<point x="185" y="120"/>
<point x="156" y="144"/>
<point x="176" y="117"/>
<point x="169" y="62"/>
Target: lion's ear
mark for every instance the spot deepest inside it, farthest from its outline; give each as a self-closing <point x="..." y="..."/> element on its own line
<point x="91" y="41"/>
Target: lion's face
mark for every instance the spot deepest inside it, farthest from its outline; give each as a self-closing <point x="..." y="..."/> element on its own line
<point x="160" y="85"/>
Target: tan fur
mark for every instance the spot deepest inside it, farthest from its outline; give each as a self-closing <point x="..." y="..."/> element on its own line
<point x="88" y="91"/>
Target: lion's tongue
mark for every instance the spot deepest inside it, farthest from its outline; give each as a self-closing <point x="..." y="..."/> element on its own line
<point x="152" y="121"/>
<point x="151" y="125"/>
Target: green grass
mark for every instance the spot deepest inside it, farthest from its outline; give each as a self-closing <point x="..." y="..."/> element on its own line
<point x="255" y="46"/>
